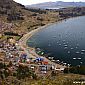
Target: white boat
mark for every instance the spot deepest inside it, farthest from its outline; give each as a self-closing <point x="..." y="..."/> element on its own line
<point x="58" y="60"/>
<point x="65" y="45"/>
<point x="77" y="52"/>
<point x="77" y="44"/>
<point x="79" y="58"/>
<point x="76" y="47"/>
<point x="82" y="53"/>
<point x="63" y="40"/>
<point x="74" y="58"/>
<point x="59" y="44"/>
<point x="81" y="62"/>
<point x="72" y="48"/>
<point x="68" y="51"/>
<point x="64" y="63"/>
<point x="53" y="60"/>
<point x="83" y="50"/>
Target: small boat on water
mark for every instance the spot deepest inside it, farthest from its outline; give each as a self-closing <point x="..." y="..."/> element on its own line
<point x="59" y="44"/>
<point x="79" y="58"/>
<point x="72" y="48"/>
<point x="81" y="62"/>
<point x="76" y="47"/>
<point x="57" y="60"/>
<point x="50" y="58"/>
<point x="53" y="60"/>
<point x="64" y="63"/>
<point x="83" y="50"/>
<point x="74" y="58"/>
<point x="82" y="53"/>
<point x="77" y="52"/>
<point x="77" y="44"/>
<point x="68" y="51"/>
<point x="65" y="45"/>
<point x="63" y="40"/>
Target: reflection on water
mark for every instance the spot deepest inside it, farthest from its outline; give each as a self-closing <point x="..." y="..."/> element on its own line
<point x="65" y="40"/>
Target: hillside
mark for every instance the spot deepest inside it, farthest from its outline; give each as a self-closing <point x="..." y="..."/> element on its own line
<point x="58" y="4"/>
<point x="16" y="18"/>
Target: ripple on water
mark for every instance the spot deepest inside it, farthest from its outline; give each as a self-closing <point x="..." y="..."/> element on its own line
<point x="67" y="40"/>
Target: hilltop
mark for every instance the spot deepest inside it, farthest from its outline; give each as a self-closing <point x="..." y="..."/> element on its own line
<point x="58" y="4"/>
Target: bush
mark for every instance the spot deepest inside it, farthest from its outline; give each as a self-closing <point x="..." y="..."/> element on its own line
<point x="23" y="71"/>
<point x="11" y="33"/>
<point x="76" y="70"/>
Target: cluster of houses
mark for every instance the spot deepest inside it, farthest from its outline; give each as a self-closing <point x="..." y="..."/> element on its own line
<point x="16" y="56"/>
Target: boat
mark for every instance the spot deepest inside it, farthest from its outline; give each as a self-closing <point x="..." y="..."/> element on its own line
<point x="77" y="44"/>
<point x="81" y="62"/>
<point x="72" y="48"/>
<point x="76" y="47"/>
<point x="77" y="52"/>
<point x="68" y="51"/>
<point x="53" y="60"/>
<point x="74" y="58"/>
<point x="64" y="63"/>
<point x="50" y="58"/>
<point x="83" y="50"/>
<point x="82" y="53"/>
<point x="65" y="45"/>
<point x="59" y="44"/>
<point x="57" y="60"/>
<point x="79" y="58"/>
<point x="63" y="40"/>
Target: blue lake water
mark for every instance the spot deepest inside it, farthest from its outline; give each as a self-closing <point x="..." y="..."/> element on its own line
<point x="64" y="40"/>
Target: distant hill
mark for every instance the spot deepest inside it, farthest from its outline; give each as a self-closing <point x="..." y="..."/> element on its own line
<point x="58" y="4"/>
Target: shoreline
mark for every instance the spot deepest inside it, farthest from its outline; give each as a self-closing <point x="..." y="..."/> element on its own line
<point x="31" y="51"/>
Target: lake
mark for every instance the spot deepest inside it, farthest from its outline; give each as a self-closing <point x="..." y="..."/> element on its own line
<point x="65" y="40"/>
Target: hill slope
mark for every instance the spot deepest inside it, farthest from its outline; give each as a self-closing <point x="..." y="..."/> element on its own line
<point x="15" y="17"/>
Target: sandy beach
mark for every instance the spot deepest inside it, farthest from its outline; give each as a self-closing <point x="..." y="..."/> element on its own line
<point x="31" y="51"/>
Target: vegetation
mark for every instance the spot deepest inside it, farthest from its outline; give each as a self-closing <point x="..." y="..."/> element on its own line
<point x="24" y="71"/>
<point x="72" y="12"/>
<point x="18" y="19"/>
<point x="76" y="70"/>
<point x="11" y="33"/>
<point x="37" y="10"/>
<point x="24" y="76"/>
